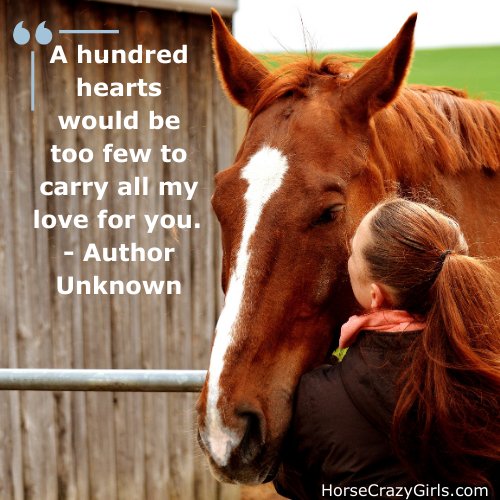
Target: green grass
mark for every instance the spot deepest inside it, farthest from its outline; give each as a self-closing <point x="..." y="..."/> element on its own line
<point x="474" y="69"/>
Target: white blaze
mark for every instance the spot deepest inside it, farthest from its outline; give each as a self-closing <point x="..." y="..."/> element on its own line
<point x="264" y="173"/>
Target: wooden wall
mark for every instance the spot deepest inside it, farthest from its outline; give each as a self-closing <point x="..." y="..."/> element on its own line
<point x="104" y="445"/>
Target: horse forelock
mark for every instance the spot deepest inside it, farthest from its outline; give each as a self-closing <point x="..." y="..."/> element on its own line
<point x="296" y="76"/>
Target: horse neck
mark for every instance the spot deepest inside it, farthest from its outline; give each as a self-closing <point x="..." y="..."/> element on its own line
<point x="435" y="131"/>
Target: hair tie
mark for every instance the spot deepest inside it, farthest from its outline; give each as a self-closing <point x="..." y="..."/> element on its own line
<point x="442" y="257"/>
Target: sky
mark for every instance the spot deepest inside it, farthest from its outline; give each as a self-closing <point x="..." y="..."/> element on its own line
<point x="275" y="25"/>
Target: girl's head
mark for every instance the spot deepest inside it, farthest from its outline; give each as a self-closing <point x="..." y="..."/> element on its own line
<point x="397" y="252"/>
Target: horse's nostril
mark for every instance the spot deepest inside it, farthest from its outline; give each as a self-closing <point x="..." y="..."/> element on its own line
<point x="254" y="438"/>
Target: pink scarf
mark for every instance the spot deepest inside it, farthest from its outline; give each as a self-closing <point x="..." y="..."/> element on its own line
<point x="385" y="320"/>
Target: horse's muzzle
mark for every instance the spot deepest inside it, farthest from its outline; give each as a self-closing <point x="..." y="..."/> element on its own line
<point x="248" y="458"/>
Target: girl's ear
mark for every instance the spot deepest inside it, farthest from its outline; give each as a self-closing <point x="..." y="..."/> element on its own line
<point x="378" y="296"/>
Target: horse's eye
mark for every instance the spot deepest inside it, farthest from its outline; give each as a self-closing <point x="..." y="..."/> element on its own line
<point x="329" y="214"/>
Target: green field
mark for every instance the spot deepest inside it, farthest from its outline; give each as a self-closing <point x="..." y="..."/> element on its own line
<point x="474" y="69"/>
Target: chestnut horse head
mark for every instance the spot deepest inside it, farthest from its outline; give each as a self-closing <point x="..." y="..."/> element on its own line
<point x="311" y="165"/>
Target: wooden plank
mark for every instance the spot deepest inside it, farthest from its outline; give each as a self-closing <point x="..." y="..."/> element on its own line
<point x="66" y="310"/>
<point x="32" y="309"/>
<point x="11" y="473"/>
<point x="153" y="308"/>
<point x="125" y="309"/>
<point x="75" y="345"/>
<point x="96" y="313"/>
<point x="41" y="411"/>
<point x="181" y="449"/>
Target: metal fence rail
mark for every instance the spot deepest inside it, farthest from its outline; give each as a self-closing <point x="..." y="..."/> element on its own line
<point x="101" y="380"/>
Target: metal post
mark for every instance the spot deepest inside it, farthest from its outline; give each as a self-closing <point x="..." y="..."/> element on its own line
<point x="102" y="380"/>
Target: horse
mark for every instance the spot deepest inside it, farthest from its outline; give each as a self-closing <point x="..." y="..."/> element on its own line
<point x="325" y="142"/>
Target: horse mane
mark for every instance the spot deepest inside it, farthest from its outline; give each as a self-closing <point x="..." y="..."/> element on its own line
<point x="444" y="127"/>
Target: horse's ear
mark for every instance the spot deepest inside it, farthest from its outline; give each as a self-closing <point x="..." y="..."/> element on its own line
<point x="240" y="72"/>
<point x="378" y="82"/>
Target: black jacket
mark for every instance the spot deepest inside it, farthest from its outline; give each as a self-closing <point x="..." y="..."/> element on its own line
<point x="340" y="431"/>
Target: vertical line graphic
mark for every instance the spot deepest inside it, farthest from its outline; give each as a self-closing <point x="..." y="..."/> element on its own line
<point x="32" y="80"/>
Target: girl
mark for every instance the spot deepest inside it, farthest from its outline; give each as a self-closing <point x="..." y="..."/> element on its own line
<point x="416" y="399"/>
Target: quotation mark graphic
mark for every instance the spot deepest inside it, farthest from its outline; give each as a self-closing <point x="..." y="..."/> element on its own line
<point x="43" y="36"/>
<point x="22" y="36"/>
